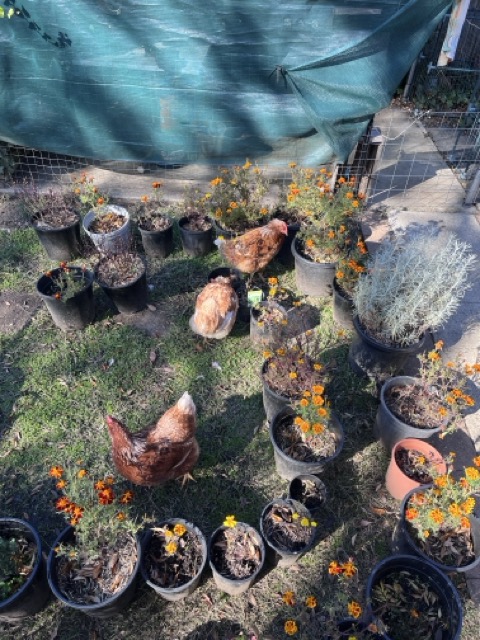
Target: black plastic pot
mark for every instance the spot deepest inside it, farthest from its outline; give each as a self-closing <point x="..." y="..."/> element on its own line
<point x="195" y="243"/>
<point x="313" y="278"/>
<point x="273" y="402"/>
<point x="238" y="283"/>
<point x="295" y="492"/>
<point x="285" y="256"/>
<point x="75" y="312"/>
<point x="62" y="243"/>
<point x="34" y="593"/>
<point x="225" y="233"/>
<point x="282" y="555"/>
<point x="369" y="358"/>
<point x="343" y="308"/>
<point x="408" y="542"/>
<point x="351" y="627"/>
<point x="173" y="594"/>
<point x="230" y="585"/>
<point x="158" y="244"/>
<point x="286" y="466"/>
<point x="435" y="580"/>
<point x="128" y="298"/>
<point x="267" y="334"/>
<point x="109" y="607"/>
<point x="390" y="429"/>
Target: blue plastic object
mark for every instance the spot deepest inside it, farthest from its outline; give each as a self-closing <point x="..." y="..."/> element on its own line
<point x="181" y="81"/>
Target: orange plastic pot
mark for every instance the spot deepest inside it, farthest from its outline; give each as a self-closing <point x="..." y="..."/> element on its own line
<point x="397" y="482"/>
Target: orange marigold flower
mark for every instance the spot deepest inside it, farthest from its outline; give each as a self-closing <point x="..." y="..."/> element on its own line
<point x="293" y="375"/>
<point x="304" y="402"/>
<point x="126" y="497"/>
<point x="83" y="473"/>
<point x="354" y="609"/>
<point x="334" y="568"/>
<point x="144" y="198"/>
<point x="455" y="510"/>
<point x="476" y="461"/>
<point x="101" y="201"/>
<point x="216" y="181"/>
<point x="433" y="355"/>
<point x="56" y="471"/>
<point x="61" y="484"/>
<point x="307" y="394"/>
<point x="156" y="185"/>
<point x="322" y="412"/>
<point x="436" y="515"/>
<point x="472" y="474"/>
<point x="304" y="427"/>
<point x="411" y="513"/>
<point x="441" y="481"/>
<point x="318" y="428"/>
<point x="465" y="522"/>
<point x="290" y="627"/>
<point x="318" y="401"/>
<point x="74" y="521"/>
<point x="179" y="529"/>
<point x="331" y="234"/>
<point x="106" y="496"/>
<point x="109" y="480"/>
<point x="289" y="598"/>
<point x="439" y="345"/>
<point x="310" y="602"/>
<point x="349" y="569"/>
<point x="99" y="485"/>
<point x="468" y="505"/>
<point x="62" y="504"/>
<point x="121" y="515"/>
<point x="318" y="388"/>
<point x="77" y="511"/>
<point x="58" y="296"/>
<point x="442" y="411"/>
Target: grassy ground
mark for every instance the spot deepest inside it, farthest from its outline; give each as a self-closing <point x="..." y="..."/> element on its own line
<point x="56" y="389"/>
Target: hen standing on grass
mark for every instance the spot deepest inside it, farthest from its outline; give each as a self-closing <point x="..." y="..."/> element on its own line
<point x="215" y="309"/>
<point x="252" y="251"/>
<point x="161" y="452"/>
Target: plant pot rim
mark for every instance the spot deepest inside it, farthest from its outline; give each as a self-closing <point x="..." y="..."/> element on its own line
<point x="268" y="303"/>
<point x="298" y="507"/>
<point x="66" y="533"/>
<point x="290" y="411"/>
<point x="27" y="526"/>
<point x="119" y="286"/>
<point x="341" y="292"/>
<point x="411" y="541"/>
<point x="413" y="348"/>
<point x="301" y="258"/>
<point x="121" y="211"/>
<point x="182" y="221"/>
<point x="50" y="229"/>
<point x="146" y="539"/>
<point x="261" y="545"/>
<point x="153" y="231"/>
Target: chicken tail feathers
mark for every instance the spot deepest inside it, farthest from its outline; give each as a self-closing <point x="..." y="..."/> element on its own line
<point x="219" y="242"/>
<point x="186" y="404"/>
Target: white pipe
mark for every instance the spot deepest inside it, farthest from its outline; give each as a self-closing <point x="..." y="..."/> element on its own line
<point x="454" y="31"/>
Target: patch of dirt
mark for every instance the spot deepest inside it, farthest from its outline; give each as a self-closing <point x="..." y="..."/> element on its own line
<point x="10" y="214"/>
<point x="153" y="322"/>
<point x="16" y="310"/>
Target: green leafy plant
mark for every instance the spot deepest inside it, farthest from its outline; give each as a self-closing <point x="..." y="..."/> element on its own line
<point x="88" y="194"/>
<point x="238" y="195"/>
<point x="17" y="558"/>
<point x="152" y="211"/>
<point x="412" y="284"/>
<point x="66" y="281"/>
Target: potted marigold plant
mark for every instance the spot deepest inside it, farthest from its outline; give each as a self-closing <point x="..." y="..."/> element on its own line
<point x="236" y="556"/>
<point x="174" y="556"/>
<point x="155" y="224"/>
<point x="56" y="219"/>
<point x="195" y="225"/>
<point x="325" y="227"/>
<point x="269" y="318"/>
<point x="237" y="199"/>
<point x="437" y="521"/>
<point x="286" y="372"/>
<point x="434" y="401"/>
<point x="349" y="268"/>
<point x="68" y="295"/>
<point x="412" y="285"/>
<point x="306" y="435"/>
<point x="94" y="562"/>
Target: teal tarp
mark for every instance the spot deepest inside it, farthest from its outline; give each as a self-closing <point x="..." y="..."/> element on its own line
<point x="179" y="81"/>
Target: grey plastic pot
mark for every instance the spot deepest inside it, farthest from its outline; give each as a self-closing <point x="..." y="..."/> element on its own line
<point x="111" y="606"/>
<point x="173" y="594"/>
<point x="232" y="586"/>
<point x="115" y="241"/>
<point x="284" y="556"/>
<point x="388" y="428"/>
<point x="313" y="278"/>
<point x="34" y="593"/>
<point x="433" y="578"/>
<point x="267" y="334"/>
<point x="369" y="358"/>
<point x="286" y="466"/>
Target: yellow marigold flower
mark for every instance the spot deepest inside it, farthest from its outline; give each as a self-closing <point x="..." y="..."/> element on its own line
<point x="354" y="609"/>
<point x="305" y="522"/>
<point x="307" y="394"/>
<point x="233" y="205"/>
<point x="349" y="569"/>
<point x="310" y="602"/>
<point x="433" y="355"/>
<point x="216" y="181"/>
<point x="83" y="473"/>
<point x="168" y="533"/>
<point x="247" y="164"/>
<point x="318" y="401"/>
<point x="179" y="529"/>
<point x="273" y="281"/>
<point x="56" y="471"/>
<point x="304" y="402"/>
<point x="455" y="510"/>
<point x="171" y="547"/>
<point x="317" y="366"/>
<point x="289" y="598"/>
<point x="334" y="568"/>
<point x="290" y="627"/>
<point x="293" y="375"/>
<point x="472" y="474"/>
<point x="441" y="481"/>
<point x="281" y="351"/>
<point x="263" y="211"/>
<point x="442" y="411"/>
<point x="355" y="203"/>
<point x="121" y="515"/>
<point x="292" y="165"/>
<point x="468" y="506"/>
<point x="267" y="354"/>
<point x="295" y="516"/>
<point x="230" y="521"/>
<point x="426" y="533"/>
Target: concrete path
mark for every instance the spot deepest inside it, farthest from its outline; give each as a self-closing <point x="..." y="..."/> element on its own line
<point x="412" y="186"/>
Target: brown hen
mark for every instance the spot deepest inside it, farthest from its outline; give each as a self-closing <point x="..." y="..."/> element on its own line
<point x="252" y="251"/>
<point x="215" y="309"/>
<point x="161" y="452"/>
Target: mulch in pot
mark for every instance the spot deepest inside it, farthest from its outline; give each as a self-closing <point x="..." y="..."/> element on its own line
<point x="107" y="222"/>
<point x="55" y="219"/>
<point x="289" y="440"/>
<point x="197" y="222"/>
<point x="415" y="465"/>
<point x="416" y="406"/>
<point x="119" y="269"/>
<point x="283" y="528"/>
<point x="236" y="553"/>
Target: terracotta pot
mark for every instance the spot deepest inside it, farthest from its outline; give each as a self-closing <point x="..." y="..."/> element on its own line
<point x="397" y="482"/>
